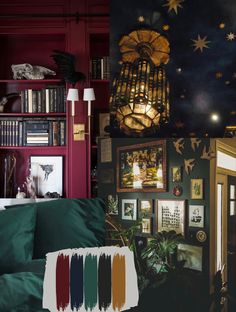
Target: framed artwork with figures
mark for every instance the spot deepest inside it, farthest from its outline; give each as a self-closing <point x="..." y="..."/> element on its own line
<point x="47" y="174"/>
<point x="142" y="167"/>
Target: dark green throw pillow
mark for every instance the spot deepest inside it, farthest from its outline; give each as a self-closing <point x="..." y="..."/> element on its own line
<point x="16" y="236"/>
<point x="68" y="223"/>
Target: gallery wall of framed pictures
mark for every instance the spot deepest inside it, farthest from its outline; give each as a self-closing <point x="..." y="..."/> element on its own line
<point x="165" y="185"/>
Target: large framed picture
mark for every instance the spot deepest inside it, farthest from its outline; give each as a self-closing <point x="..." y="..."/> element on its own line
<point x="196" y="216"/>
<point x="171" y="216"/>
<point x="47" y="174"/>
<point x="142" y="167"/>
<point x="196" y="188"/>
<point x="129" y="209"/>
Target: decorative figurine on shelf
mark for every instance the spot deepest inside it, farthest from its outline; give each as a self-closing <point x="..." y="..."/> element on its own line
<point x="52" y="195"/>
<point x="4" y="99"/>
<point x="20" y="194"/>
<point x="66" y="65"/>
<point x="30" y="185"/>
<point x="31" y="72"/>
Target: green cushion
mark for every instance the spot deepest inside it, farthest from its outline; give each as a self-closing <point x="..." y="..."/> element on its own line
<point x="16" y="236"/>
<point x="68" y="223"/>
<point x="34" y="266"/>
<point x="21" y="292"/>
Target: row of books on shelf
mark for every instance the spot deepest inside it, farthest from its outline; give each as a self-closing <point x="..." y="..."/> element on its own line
<point x="52" y="99"/>
<point x="32" y="132"/>
<point x="100" y="68"/>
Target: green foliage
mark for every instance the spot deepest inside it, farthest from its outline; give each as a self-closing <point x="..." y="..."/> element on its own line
<point x="160" y="249"/>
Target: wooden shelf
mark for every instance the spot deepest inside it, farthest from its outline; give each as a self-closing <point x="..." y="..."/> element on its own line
<point x="32" y="114"/>
<point x="24" y="81"/>
<point x="100" y="81"/>
<point x="61" y="148"/>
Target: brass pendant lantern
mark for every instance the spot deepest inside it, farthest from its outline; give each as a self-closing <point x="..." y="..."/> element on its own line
<point x="140" y="93"/>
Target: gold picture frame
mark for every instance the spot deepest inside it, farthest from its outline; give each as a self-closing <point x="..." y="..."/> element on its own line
<point x="171" y="215"/>
<point x="196" y="188"/>
<point x="142" y="167"/>
<point x="145" y="206"/>
<point x="147" y="226"/>
<point x="176" y="173"/>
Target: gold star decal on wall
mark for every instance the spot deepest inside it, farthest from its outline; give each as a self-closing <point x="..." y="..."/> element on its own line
<point x="200" y="43"/>
<point x="231" y="36"/>
<point x="174" y="5"/>
<point x="141" y="19"/>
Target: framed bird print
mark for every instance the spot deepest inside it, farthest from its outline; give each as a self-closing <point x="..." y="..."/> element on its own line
<point x="196" y="188"/>
<point x="46" y="173"/>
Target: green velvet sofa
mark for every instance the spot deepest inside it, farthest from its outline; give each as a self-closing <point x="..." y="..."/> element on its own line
<point x="29" y="231"/>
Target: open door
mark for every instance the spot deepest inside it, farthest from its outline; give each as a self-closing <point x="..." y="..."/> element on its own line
<point x="231" y="243"/>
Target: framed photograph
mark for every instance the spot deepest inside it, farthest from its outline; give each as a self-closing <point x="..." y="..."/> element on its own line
<point x="129" y="209"/>
<point x="142" y="167"/>
<point x="104" y="123"/>
<point x="196" y="216"/>
<point x="47" y="174"/>
<point x="171" y="216"/>
<point x="147" y="225"/>
<point x="176" y="173"/>
<point x="146" y="206"/>
<point x="106" y="150"/>
<point x="192" y="256"/>
<point x="196" y="188"/>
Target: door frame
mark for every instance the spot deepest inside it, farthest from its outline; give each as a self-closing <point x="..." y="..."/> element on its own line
<point x="218" y="174"/>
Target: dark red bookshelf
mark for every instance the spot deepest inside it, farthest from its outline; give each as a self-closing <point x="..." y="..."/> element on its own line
<point x="32" y="41"/>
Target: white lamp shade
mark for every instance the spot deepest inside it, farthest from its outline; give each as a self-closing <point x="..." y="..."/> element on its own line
<point x="89" y="94"/>
<point x="73" y="95"/>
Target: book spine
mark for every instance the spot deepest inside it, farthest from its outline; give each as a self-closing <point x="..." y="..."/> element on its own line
<point x="34" y="101"/>
<point x="26" y="108"/>
<point x="22" y="101"/>
<point x="47" y="110"/>
<point x="20" y="136"/>
<point x="30" y="101"/>
<point x="55" y="129"/>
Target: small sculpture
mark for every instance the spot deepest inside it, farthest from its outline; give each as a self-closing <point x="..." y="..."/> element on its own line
<point x="28" y="71"/>
<point x="30" y="185"/>
<point x="52" y="195"/>
<point x="66" y="65"/>
<point x="195" y="142"/>
<point x="5" y="98"/>
<point x="188" y="165"/>
<point x="178" y="145"/>
<point x="20" y="194"/>
<point x="208" y="155"/>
